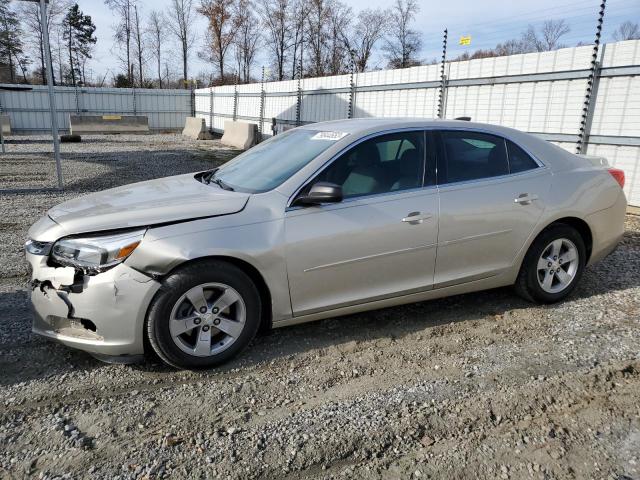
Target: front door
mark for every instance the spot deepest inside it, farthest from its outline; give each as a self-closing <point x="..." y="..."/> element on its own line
<point x="380" y="241"/>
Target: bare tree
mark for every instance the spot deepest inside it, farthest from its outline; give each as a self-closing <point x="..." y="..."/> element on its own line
<point x="167" y="74"/>
<point x="181" y="18"/>
<point x="552" y="31"/>
<point x="30" y="15"/>
<point x="298" y="38"/>
<point x="155" y="34"/>
<point x="278" y="18"/>
<point x="246" y="38"/>
<point x="337" y="56"/>
<point x="403" y="43"/>
<point x="548" y="38"/>
<point x="510" y="47"/>
<point x="138" y="44"/>
<point x="123" y="10"/>
<point x="361" y="40"/>
<point x="627" y="31"/>
<point x="220" y="33"/>
<point x="317" y="19"/>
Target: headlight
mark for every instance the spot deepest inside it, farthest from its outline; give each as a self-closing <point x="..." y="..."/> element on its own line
<point x="96" y="252"/>
<point x="37" y="248"/>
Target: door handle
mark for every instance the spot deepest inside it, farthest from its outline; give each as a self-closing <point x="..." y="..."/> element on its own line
<point x="416" y="218"/>
<point x="525" y="198"/>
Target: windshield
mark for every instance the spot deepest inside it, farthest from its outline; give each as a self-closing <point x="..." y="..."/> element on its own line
<point x="270" y="163"/>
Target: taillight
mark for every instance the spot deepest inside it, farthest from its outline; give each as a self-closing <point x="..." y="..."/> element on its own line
<point x="618" y="175"/>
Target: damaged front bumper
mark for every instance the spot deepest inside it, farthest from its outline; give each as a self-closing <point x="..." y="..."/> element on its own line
<point x="102" y="314"/>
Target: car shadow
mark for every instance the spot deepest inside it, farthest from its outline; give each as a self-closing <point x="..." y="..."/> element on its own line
<point x="24" y="358"/>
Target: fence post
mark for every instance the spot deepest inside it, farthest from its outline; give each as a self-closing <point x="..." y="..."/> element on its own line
<point x="77" y="99"/>
<point x="262" y="100"/>
<point x="593" y="81"/>
<point x="299" y="101"/>
<point x="443" y="79"/>
<point x="192" y="96"/>
<point x="52" y="94"/>
<point x="352" y="95"/>
<point x="4" y="149"/>
<point x="235" y="99"/>
<point x="135" y="107"/>
<point x="211" y="98"/>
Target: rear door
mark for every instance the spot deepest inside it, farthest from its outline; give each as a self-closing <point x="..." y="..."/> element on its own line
<point x="492" y="194"/>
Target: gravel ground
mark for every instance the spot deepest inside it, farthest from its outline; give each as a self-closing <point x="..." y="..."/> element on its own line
<point x="476" y="386"/>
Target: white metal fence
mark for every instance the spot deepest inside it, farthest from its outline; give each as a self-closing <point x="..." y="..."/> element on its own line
<point x="542" y="93"/>
<point x="28" y="105"/>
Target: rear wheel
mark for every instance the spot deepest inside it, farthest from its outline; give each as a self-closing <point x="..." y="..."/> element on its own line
<point x="553" y="265"/>
<point x="203" y="315"/>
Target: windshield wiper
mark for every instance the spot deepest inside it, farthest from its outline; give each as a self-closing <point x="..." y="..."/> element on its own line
<point x="210" y="177"/>
<point x="206" y="177"/>
<point x="221" y="184"/>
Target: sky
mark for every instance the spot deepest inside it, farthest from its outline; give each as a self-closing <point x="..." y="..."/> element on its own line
<point x="488" y="22"/>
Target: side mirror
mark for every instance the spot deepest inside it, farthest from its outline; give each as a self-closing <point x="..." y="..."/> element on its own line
<point x="321" y="192"/>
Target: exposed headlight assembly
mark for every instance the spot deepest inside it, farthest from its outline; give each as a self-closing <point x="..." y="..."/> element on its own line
<point x="96" y="253"/>
<point x="37" y="248"/>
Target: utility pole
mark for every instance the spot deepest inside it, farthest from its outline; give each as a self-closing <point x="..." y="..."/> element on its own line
<point x="52" y="98"/>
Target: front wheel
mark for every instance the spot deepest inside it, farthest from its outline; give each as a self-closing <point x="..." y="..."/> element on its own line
<point x="553" y="265"/>
<point x="203" y="315"/>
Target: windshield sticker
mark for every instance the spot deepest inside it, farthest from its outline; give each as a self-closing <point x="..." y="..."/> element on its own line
<point x="334" y="136"/>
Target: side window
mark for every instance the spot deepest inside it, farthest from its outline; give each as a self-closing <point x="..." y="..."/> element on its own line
<point x="471" y="156"/>
<point x="519" y="160"/>
<point x="383" y="164"/>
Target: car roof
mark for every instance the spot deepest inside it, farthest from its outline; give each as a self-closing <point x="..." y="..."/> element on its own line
<point x="361" y="125"/>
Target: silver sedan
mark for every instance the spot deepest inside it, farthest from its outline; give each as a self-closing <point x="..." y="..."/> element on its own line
<point x="324" y="220"/>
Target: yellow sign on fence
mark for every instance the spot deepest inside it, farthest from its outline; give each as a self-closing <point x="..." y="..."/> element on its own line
<point x="465" y="40"/>
<point x="112" y="117"/>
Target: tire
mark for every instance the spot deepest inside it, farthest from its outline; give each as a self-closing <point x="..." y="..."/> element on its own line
<point x="533" y="282"/>
<point x="175" y="308"/>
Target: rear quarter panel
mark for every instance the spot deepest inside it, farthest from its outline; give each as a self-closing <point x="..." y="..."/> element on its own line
<point x="590" y="194"/>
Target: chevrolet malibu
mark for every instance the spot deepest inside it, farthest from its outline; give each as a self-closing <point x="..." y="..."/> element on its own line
<point x="324" y="220"/>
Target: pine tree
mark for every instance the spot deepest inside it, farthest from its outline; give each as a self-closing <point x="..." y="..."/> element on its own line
<point x="78" y="34"/>
<point x="11" y="48"/>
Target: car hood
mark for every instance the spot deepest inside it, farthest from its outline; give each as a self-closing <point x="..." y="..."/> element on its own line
<point x="163" y="200"/>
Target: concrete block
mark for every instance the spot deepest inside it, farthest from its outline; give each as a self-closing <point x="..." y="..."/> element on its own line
<point x="196" y="128"/>
<point x="5" y="121"/>
<point x="108" y="124"/>
<point x="241" y="135"/>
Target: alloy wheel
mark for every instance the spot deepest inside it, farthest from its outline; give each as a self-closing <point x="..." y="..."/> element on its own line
<point x="207" y="319"/>
<point x="557" y="266"/>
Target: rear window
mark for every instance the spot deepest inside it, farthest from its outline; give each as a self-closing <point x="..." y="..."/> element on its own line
<point x="519" y="160"/>
<point x="472" y="156"/>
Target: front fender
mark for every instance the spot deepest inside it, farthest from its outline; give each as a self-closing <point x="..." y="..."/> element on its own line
<point x="258" y="244"/>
